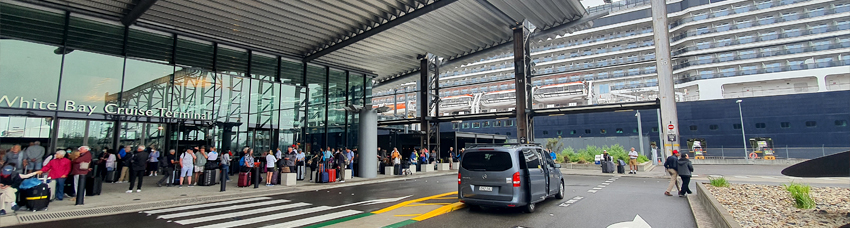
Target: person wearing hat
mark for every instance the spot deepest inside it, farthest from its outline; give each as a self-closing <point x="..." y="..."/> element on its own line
<point x="9" y="182"/>
<point x="58" y="169"/>
<point x="672" y="164"/>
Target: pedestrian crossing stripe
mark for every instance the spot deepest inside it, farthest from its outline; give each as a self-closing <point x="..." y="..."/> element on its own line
<point x="221" y="209"/>
<point x="284" y="215"/>
<point x="311" y="220"/>
<point x="204" y="205"/>
<point x="239" y="213"/>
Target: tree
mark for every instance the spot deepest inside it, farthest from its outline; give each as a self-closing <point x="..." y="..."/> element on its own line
<point x="554" y="144"/>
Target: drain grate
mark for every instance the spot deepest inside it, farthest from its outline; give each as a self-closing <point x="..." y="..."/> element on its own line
<point x="111" y="210"/>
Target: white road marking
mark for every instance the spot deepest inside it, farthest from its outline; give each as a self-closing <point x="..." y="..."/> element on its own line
<point x="606" y="183"/>
<point x="205" y="205"/>
<point x="220" y="209"/>
<point x="601" y="186"/>
<point x="768" y="177"/>
<point x="597" y="188"/>
<point x="636" y="223"/>
<point x="591" y="191"/>
<point x="311" y="220"/>
<point x="239" y="213"/>
<point x="609" y="181"/>
<point x="744" y="177"/>
<point x="268" y="217"/>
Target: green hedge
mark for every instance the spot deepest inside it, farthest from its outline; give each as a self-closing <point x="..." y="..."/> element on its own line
<point x="588" y="154"/>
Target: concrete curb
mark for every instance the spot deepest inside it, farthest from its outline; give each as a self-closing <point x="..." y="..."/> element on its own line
<point x="718" y="215"/>
<point x="48" y="216"/>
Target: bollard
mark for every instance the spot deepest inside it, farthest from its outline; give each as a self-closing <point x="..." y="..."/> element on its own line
<point x="256" y="173"/>
<point x="223" y="180"/>
<point x="81" y="189"/>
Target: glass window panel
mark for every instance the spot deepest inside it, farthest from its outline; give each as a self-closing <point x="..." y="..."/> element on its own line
<point x="192" y="53"/>
<point x="95" y="36"/>
<point x="150" y="45"/>
<point x="22" y="63"/>
<point x="146" y="85"/>
<point x="232" y="61"/>
<point x="30" y="24"/>
<point x="263" y="67"/>
<point x="89" y="81"/>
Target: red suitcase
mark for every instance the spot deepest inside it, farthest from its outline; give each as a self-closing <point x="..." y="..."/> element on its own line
<point x="244" y="179"/>
<point x="331" y="175"/>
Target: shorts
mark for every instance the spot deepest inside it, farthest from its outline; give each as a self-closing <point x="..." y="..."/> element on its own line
<point x="632" y="161"/>
<point x="199" y="169"/>
<point x="186" y="172"/>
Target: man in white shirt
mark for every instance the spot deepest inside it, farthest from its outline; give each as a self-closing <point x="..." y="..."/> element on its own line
<point x="633" y="155"/>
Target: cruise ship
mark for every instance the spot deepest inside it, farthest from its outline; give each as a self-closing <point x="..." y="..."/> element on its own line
<point x="788" y="61"/>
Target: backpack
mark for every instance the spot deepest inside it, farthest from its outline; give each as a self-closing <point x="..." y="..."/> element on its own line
<point x="347" y="161"/>
<point x="242" y="162"/>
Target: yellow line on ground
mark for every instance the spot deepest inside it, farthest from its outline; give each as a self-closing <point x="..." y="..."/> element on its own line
<point x="405" y="203"/>
<point x="440" y="211"/>
<point x="409" y="215"/>
<point x="426" y="204"/>
<point x="445" y="198"/>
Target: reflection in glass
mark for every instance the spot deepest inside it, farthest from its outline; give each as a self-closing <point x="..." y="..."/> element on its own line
<point x="88" y="79"/>
<point x="22" y="64"/>
<point x="147" y="85"/>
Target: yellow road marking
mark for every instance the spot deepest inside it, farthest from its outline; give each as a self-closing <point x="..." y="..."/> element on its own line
<point x="426" y="204"/>
<point x="445" y="198"/>
<point x="405" y="203"/>
<point x="439" y="211"/>
<point x="410" y="215"/>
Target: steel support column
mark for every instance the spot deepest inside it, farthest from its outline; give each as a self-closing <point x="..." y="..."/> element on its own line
<point x="521" y="72"/>
<point x="666" y="91"/>
<point x="429" y="101"/>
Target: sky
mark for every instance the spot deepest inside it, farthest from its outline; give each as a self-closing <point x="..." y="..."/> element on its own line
<point x="589" y="3"/>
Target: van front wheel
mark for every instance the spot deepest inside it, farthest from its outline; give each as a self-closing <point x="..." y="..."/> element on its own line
<point x="560" y="194"/>
<point x="529" y="208"/>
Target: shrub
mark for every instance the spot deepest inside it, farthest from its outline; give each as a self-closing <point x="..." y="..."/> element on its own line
<point x="642" y="159"/>
<point x="718" y="182"/>
<point x="800" y="193"/>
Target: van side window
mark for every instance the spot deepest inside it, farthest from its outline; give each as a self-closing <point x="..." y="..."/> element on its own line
<point x="532" y="160"/>
<point x="546" y="157"/>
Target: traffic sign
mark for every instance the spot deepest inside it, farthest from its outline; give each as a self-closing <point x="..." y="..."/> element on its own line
<point x="670" y="127"/>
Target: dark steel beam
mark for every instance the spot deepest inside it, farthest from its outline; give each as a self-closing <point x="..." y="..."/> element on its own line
<point x="138" y="9"/>
<point x="376" y="30"/>
<point x="521" y="63"/>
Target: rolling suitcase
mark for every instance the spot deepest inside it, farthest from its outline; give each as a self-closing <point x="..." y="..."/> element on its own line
<point x="325" y="177"/>
<point x="275" y="177"/>
<point x="608" y="167"/>
<point x="111" y="176"/>
<point x="93" y="185"/>
<point x="207" y="178"/>
<point x="332" y="175"/>
<point x="621" y="169"/>
<point x="37" y="198"/>
<point x="244" y="179"/>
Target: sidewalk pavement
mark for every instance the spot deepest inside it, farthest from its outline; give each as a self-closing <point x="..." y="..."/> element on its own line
<point x="763" y="174"/>
<point x="114" y="200"/>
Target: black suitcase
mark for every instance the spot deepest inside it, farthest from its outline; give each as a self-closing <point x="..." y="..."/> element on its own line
<point x="93" y="185"/>
<point x="607" y="167"/>
<point x="207" y="178"/>
<point x="69" y="186"/>
<point x="111" y="176"/>
<point x="621" y="169"/>
<point x="37" y="198"/>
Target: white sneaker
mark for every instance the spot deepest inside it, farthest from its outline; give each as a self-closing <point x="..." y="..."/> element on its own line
<point x="129" y="191"/>
<point x="138" y="190"/>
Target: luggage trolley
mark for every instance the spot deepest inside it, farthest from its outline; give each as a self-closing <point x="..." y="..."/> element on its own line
<point x="697" y="145"/>
<point x="763" y="145"/>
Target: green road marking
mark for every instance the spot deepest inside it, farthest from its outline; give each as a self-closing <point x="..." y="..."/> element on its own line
<point x="349" y="218"/>
<point x="400" y="224"/>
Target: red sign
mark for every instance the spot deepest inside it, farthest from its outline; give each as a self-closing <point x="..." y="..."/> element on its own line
<point x="670" y="127"/>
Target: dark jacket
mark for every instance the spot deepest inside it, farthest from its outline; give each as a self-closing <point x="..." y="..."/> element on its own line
<point x="75" y="164"/>
<point x="139" y="161"/>
<point x="685" y="168"/>
<point x="339" y="159"/>
<point x="13" y="179"/>
<point x="672" y="163"/>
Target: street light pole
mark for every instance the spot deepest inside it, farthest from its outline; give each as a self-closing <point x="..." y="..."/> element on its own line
<point x="640" y="135"/>
<point x="741" y="113"/>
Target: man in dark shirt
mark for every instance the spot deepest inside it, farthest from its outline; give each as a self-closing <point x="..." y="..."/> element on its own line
<point x="671" y="164"/>
<point x="168" y="167"/>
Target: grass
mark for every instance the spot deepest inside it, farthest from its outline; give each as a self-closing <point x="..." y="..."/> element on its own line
<point x="800" y="193"/>
<point x="718" y="182"/>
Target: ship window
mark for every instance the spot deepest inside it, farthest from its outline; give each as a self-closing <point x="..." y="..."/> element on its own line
<point x="693" y="127"/>
<point x="587" y="131"/>
<point x="619" y="130"/>
<point x="785" y="125"/>
<point x="603" y="131"/>
<point x="573" y="132"/>
<point x="713" y="127"/>
<point x="510" y="123"/>
<point x="454" y="126"/>
<point x="654" y="129"/>
<point x="545" y="132"/>
<point x="840" y="123"/>
<point x="736" y="126"/>
<point x="465" y="125"/>
<point x="508" y="133"/>
<point x="761" y="125"/>
<point x="634" y="130"/>
<point x="498" y="123"/>
<point x="486" y="124"/>
<point x="476" y="125"/>
<point x="559" y="132"/>
<point x="811" y="124"/>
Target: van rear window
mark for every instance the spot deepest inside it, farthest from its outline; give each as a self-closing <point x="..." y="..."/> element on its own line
<point x="487" y="161"/>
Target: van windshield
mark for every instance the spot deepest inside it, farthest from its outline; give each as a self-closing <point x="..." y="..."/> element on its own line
<point x="487" y="161"/>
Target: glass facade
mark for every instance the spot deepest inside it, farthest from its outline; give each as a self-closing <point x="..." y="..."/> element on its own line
<point x="75" y="81"/>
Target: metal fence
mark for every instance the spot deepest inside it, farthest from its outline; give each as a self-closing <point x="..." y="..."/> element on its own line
<point x="780" y="152"/>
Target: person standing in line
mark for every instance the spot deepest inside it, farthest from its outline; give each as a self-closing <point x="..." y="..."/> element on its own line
<point x="396" y="158"/>
<point x="451" y="157"/>
<point x="684" y="169"/>
<point x="200" y="162"/>
<point x="212" y="155"/>
<point x="225" y="165"/>
<point x="279" y="155"/>
<point x="424" y="156"/>
<point x="153" y="161"/>
<point x="339" y="159"/>
<point x="350" y="156"/>
<point x="270" y="161"/>
<point x="187" y="161"/>
<point x="14" y="156"/>
<point x="672" y="166"/>
<point x="314" y="164"/>
<point x="290" y="157"/>
<point x="299" y="165"/>
<point x="34" y="155"/>
<point x="110" y="161"/>
<point x="123" y="160"/>
<point x="168" y="168"/>
<point x="633" y="155"/>
<point x="137" y="168"/>
<point x="80" y="166"/>
<point x="57" y="170"/>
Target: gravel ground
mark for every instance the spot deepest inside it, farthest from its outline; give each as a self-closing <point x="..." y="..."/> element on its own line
<point x="772" y="206"/>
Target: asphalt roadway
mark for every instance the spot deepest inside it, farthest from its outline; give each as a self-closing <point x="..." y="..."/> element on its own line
<point x="619" y="201"/>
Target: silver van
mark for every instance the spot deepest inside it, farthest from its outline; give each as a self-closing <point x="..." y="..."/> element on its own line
<point x="508" y="175"/>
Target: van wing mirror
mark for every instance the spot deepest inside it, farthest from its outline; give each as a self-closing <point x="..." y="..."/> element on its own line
<point x="558" y="166"/>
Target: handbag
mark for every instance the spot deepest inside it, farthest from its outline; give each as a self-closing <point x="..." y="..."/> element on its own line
<point x="285" y="169"/>
<point x="84" y="165"/>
